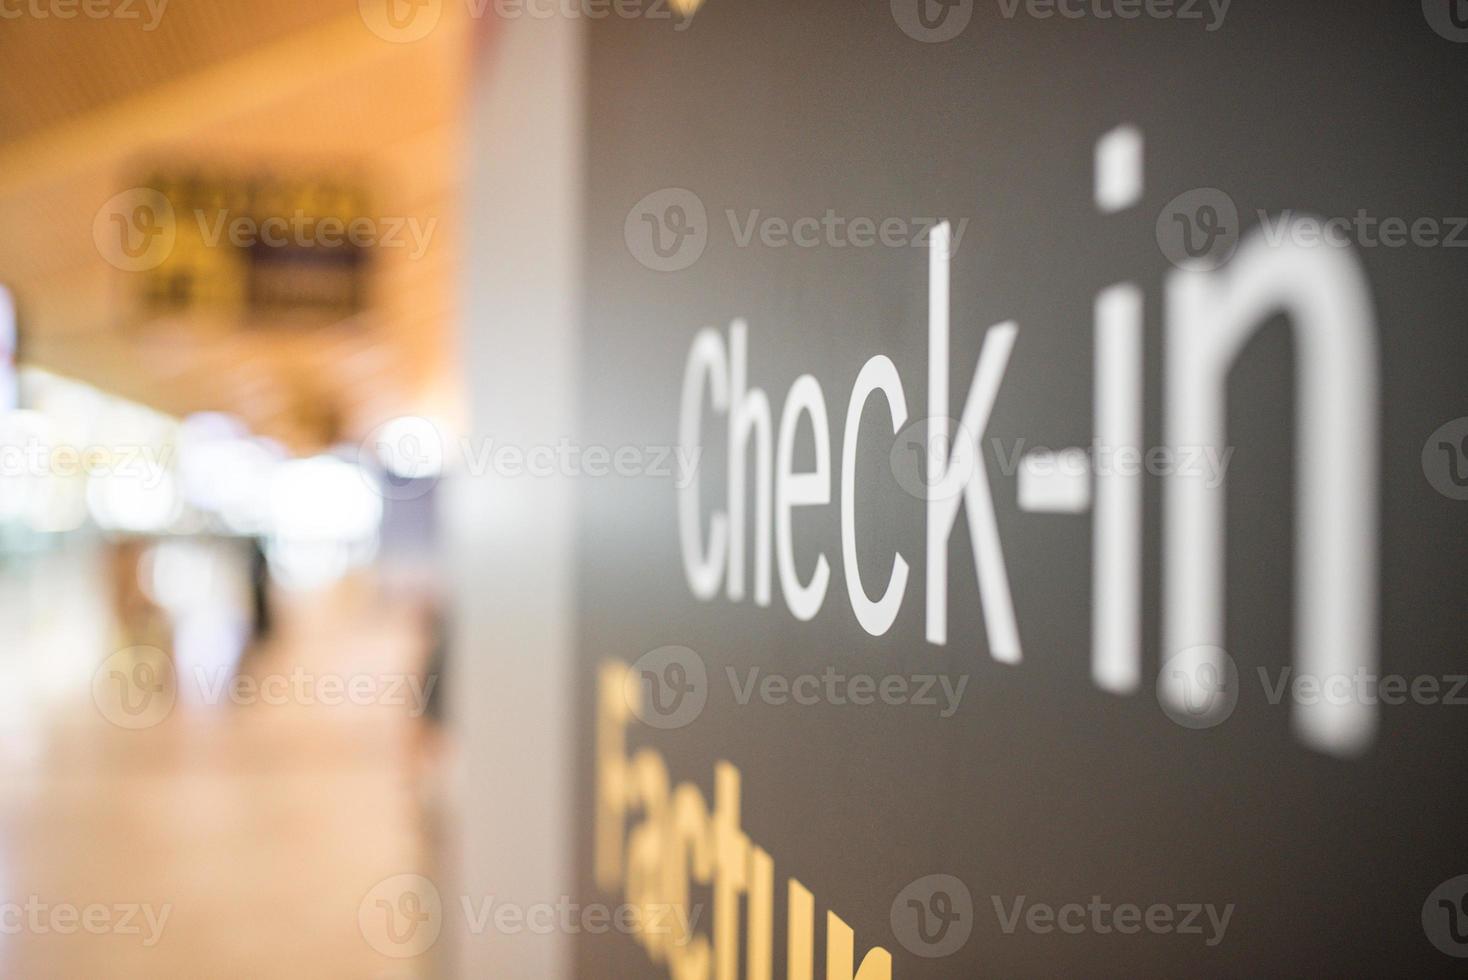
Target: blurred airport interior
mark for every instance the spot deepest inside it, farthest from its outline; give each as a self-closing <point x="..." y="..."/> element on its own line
<point x="226" y="285"/>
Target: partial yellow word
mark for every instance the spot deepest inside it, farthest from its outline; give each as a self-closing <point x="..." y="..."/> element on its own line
<point x="676" y="841"/>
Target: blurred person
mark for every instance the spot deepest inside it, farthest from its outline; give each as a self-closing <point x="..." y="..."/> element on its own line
<point x="138" y="620"/>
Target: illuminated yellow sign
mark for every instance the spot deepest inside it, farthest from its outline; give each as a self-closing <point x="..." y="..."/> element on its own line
<point x="260" y="245"/>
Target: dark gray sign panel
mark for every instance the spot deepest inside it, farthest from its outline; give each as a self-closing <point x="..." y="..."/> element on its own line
<point x="1031" y="527"/>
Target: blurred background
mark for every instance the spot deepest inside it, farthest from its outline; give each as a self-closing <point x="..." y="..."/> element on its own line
<point x="225" y="355"/>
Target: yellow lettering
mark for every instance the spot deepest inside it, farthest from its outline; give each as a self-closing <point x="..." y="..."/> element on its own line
<point x="731" y="873"/>
<point x="648" y="786"/>
<point x="688" y="956"/>
<point x="761" y="915"/>
<point x="801" y="929"/>
<point x="840" y="954"/>
<point x="677" y="843"/>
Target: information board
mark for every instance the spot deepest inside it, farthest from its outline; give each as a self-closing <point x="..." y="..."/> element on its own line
<point x="1031" y="533"/>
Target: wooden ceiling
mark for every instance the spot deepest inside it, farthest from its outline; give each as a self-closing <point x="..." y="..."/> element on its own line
<point x="268" y="84"/>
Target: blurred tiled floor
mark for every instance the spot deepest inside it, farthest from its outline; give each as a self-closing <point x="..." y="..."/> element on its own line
<point x="259" y="827"/>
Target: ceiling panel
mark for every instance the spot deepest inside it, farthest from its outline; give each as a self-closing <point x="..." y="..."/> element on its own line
<point x="259" y="86"/>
